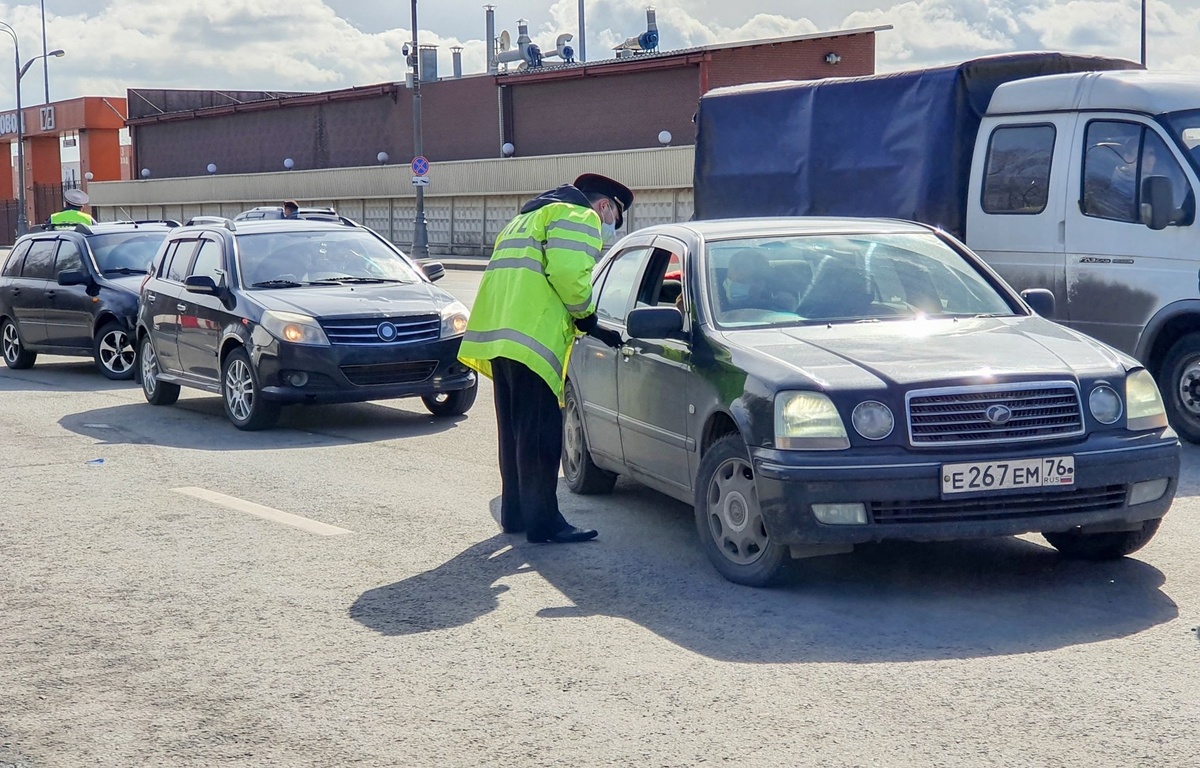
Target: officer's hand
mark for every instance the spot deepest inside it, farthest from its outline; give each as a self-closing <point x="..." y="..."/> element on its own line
<point x="609" y="337"/>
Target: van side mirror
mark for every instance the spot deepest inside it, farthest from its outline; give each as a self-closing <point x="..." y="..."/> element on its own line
<point x="1040" y="300"/>
<point x="74" y="277"/>
<point x="654" y="323"/>
<point x="1158" y="202"/>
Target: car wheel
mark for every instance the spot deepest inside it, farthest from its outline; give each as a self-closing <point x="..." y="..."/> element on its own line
<point x="114" y="352"/>
<point x="156" y="392"/>
<point x="729" y="519"/>
<point x="15" y="354"/>
<point x="583" y="476"/>
<point x="244" y="403"/>
<point x="1179" y="381"/>
<point x="1102" y="546"/>
<point x="451" y="403"/>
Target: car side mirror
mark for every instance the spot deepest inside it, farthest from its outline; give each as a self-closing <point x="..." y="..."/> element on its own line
<point x="654" y="323"/>
<point x="1158" y="202"/>
<point x="433" y="270"/>
<point x="201" y="284"/>
<point x="74" y="277"/>
<point x="1040" y="300"/>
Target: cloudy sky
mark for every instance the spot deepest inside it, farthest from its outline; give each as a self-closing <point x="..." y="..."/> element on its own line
<point x="306" y="45"/>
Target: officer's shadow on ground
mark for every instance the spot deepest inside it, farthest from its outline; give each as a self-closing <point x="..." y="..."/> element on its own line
<point x="884" y="602"/>
<point x="199" y="423"/>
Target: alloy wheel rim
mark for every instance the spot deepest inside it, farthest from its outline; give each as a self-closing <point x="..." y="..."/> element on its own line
<point x="12" y="343"/>
<point x="239" y="390"/>
<point x="1189" y="387"/>
<point x="734" y="519"/>
<point x="149" y="369"/>
<point x="573" y="439"/>
<point x="116" y="351"/>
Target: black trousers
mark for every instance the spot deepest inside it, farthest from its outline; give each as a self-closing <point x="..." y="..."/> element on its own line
<point x="530" y="427"/>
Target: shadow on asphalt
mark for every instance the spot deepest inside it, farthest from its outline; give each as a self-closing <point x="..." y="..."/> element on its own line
<point x="884" y="602"/>
<point x="200" y="423"/>
<point x="77" y="375"/>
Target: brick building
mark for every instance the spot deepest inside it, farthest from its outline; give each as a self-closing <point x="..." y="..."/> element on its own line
<point x="618" y="104"/>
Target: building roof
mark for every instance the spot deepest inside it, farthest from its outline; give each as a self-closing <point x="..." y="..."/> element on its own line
<point x="1151" y="93"/>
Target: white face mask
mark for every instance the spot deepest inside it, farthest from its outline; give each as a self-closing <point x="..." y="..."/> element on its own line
<point x="608" y="230"/>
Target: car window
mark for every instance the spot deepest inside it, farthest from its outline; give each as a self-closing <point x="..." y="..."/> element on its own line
<point x="68" y="258"/>
<point x="178" y="260"/>
<point x="208" y="260"/>
<point x="662" y="283"/>
<point x="126" y="251"/>
<point x="797" y="280"/>
<point x="620" y="285"/>
<point x="12" y="267"/>
<point x="1119" y="156"/>
<point x="39" y="262"/>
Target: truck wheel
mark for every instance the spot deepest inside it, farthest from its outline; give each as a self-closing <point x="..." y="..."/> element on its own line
<point x="1102" y="546"/>
<point x="451" y="403"/>
<point x="582" y="474"/>
<point x="1179" y="381"/>
<point x="730" y="521"/>
<point x="15" y="354"/>
<point x="113" y="350"/>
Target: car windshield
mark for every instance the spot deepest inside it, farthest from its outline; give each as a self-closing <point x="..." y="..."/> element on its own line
<point x="1186" y="127"/>
<point x="129" y="252"/>
<point x="321" y="257"/>
<point x="796" y="280"/>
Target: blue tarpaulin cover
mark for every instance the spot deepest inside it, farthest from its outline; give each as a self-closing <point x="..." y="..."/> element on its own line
<point x="895" y="145"/>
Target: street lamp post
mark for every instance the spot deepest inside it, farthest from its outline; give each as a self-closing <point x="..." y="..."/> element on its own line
<point x="22" y="218"/>
<point x="420" y="246"/>
<point x="1143" y="33"/>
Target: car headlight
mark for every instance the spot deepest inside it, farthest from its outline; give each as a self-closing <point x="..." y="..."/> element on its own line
<point x="294" y="328"/>
<point x="1105" y="404"/>
<point x="808" y="421"/>
<point x="873" y="420"/>
<point x="1144" y="404"/>
<point x="454" y="319"/>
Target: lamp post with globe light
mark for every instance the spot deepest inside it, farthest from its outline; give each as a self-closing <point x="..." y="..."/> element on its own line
<point x="22" y="218"/>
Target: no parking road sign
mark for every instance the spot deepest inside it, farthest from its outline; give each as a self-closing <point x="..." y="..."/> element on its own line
<point x="420" y="166"/>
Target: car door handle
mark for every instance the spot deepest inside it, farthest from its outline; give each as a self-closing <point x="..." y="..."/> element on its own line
<point x="16" y="291"/>
<point x="150" y="296"/>
<point x="628" y="351"/>
<point x="181" y="307"/>
<point x="50" y="294"/>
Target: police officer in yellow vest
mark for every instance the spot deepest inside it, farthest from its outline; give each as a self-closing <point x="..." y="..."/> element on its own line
<point x="534" y="296"/>
<point x="73" y="214"/>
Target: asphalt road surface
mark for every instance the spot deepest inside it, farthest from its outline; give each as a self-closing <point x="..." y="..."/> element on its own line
<point x="336" y="592"/>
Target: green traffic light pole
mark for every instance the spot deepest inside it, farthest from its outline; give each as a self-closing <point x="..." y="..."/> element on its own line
<point x="420" y="245"/>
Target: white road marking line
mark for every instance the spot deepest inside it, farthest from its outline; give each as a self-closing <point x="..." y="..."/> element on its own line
<point x="267" y="513"/>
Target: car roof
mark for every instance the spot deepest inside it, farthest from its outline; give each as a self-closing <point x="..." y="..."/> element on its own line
<point x="104" y="228"/>
<point x="721" y="229"/>
<point x="257" y="226"/>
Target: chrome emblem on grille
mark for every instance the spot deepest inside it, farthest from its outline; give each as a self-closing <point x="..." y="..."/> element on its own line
<point x="386" y="331"/>
<point x="998" y="414"/>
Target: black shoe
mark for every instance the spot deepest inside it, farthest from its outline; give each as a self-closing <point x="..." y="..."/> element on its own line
<point x="513" y="529"/>
<point x="567" y="535"/>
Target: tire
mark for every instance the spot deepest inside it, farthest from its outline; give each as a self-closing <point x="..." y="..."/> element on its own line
<point x="582" y="474"/>
<point x="1179" y="382"/>
<point x="729" y="521"/>
<point x="1102" y="546"/>
<point x="114" y="353"/>
<point x="15" y="355"/>
<point x="156" y="392"/>
<point x="451" y="403"/>
<point x="242" y="394"/>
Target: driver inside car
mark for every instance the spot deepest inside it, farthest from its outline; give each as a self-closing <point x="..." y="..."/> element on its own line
<point x="750" y="284"/>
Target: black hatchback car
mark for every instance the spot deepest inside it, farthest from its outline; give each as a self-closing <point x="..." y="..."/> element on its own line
<point x="267" y="313"/>
<point x="74" y="291"/>
<point x="812" y="384"/>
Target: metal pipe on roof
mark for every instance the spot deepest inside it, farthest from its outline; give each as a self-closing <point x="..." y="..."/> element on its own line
<point x="582" y="35"/>
<point x="490" y="37"/>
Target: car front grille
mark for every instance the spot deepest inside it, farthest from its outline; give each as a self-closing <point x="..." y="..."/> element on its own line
<point x="1009" y="507"/>
<point x="1019" y="412"/>
<point x="389" y="373"/>
<point x="408" y="329"/>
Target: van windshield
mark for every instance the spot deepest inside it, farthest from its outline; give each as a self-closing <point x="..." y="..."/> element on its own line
<point x="1186" y="127"/>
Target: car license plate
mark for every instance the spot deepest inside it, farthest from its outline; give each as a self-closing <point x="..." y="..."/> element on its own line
<point x="981" y="476"/>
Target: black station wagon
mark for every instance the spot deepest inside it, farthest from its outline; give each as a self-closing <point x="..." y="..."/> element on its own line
<point x="812" y="384"/>
<point x="74" y="291"/>
<point x="267" y="313"/>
